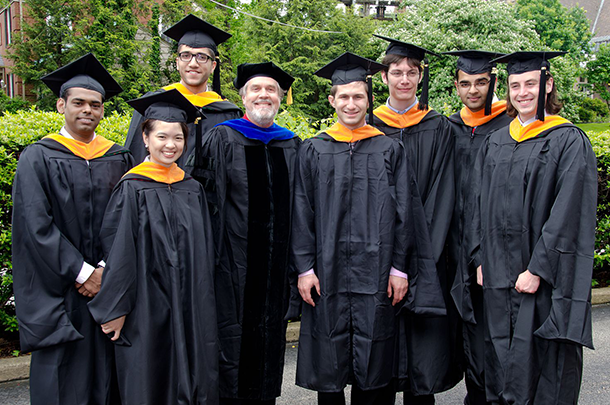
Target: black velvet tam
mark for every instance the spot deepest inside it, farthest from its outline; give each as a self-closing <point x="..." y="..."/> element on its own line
<point x="247" y="71"/>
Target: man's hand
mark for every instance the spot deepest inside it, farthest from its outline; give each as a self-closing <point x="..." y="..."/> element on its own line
<point x="527" y="283"/>
<point x="480" y="276"/>
<point x="398" y="287"/>
<point x="91" y="287"/>
<point x="114" y="326"/>
<point x="305" y="284"/>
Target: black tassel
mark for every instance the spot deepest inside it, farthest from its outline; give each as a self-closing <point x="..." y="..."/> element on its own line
<point x="542" y="92"/>
<point x="216" y="80"/>
<point x="198" y="146"/>
<point x="490" y="91"/>
<point x="369" y="82"/>
<point x="423" y="100"/>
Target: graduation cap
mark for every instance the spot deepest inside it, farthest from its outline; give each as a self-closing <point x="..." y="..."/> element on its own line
<point x="407" y="50"/>
<point x="85" y="72"/>
<point x="474" y="62"/>
<point x="349" y="68"/>
<point x="522" y="62"/>
<point x="247" y="71"/>
<point x="194" y="32"/>
<point x="168" y="106"/>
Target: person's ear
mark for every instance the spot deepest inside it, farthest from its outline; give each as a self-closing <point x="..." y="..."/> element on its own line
<point x="61" y="105"/>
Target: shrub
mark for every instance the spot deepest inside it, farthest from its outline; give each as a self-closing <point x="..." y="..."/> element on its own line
<point x="599" y="107"/>
<point x="601" y="146"/>
<point x="8" y="104"/>
<point x="586" y="115"/>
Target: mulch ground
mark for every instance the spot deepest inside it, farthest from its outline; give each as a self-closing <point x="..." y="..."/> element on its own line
<point x="9" y="342"/>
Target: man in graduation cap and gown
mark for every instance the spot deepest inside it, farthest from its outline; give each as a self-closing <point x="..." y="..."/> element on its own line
<point x="197" y="58"/>
<point x="534" y="222"/>
<point x="157" y="296"/>
<point x="355" y="247"/>
<point x="62" y="185"/>
<point x="475" y="81"/>
<point x="248" y="175"/>
<point x="433" y="349"/>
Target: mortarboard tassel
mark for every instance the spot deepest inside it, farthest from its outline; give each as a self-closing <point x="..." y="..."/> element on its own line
<point x="423" y="100"/>
<point x="216" y="80"/>
<point x="542" y="92"/>
<point x="490" y="91"/>
<point x="198" y="146"/>
<point x="289" y="97"/>
<point x="369" y="82"/>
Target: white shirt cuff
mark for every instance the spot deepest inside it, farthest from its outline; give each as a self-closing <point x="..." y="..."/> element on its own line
<point x="85" y="273"/>
<point x="307" y="273"/>
<point x="398" y="273"/>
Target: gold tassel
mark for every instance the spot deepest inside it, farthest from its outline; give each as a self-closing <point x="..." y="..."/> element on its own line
<point x="289" y="97"/>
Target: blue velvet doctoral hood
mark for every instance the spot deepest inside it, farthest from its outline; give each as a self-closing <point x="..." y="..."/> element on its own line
<point x="253" y="131"/>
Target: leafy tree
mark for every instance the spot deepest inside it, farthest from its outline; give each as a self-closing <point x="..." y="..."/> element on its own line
<point x="473" y="24"/>
<point x="559" y="28"/>
<point x="598" y="72"/>
<point x="58" y="32"/>
<point x="302" y="52"/>
<point x="455" y="25"/>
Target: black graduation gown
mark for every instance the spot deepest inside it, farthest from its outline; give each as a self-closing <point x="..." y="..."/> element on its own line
<point x="536" y="205"/>
<point x="466" y="293"/>
<point x="249" y="186"/>
<point x="434" y="345"/>
<point x="58" y="205"/>
<point x="355" y="216"/>
<point x="158" y="242"/>
<point x="215" y="113"/>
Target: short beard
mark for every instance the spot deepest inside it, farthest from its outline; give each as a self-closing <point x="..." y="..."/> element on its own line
<point x="262" y="117"/>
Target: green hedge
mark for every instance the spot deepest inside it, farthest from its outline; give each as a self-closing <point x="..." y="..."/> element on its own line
<point x="19" y="129"/>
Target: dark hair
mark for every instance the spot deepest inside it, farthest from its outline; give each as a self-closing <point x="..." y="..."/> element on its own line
<point x="552" y="105"/>
<point x="65" y="94"/>
<point x="149" y="125"/>
<point x="393" y="58"/>
<point x="333" y="89"/>
<point x="457" y="71"/>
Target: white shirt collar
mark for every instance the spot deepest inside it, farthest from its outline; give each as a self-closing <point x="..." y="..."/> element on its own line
<point x="63" y="132"/>
<point x="403" y="111"/>
<point x="531" y="120"/>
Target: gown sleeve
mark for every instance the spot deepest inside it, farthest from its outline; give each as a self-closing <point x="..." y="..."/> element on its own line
<point x="424" y="296"/>
<point x="45" y="262"/>
<point x="440" y="197"/>
<point x="303" y="234"/>
<point x="134" y="141"/>
<point x="213" y="177"/>
<point x="118" y="236"/>
<point x="563" y="255"/>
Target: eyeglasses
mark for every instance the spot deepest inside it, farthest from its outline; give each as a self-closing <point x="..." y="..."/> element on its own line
<point x="479" y="84"/>
<point x="199" y="57"/>
<point x="411" y="74"/>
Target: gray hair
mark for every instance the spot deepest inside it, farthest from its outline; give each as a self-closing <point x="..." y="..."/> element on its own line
<point x="280" y="91"/>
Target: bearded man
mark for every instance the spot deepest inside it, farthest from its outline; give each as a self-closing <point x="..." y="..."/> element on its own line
<point x="248" y="175"/>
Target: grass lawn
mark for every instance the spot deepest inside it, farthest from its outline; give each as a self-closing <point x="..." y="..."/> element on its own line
<point x="594" y="127"/>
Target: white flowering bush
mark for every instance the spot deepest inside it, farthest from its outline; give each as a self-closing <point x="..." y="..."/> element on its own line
<point x="491" y="25"/>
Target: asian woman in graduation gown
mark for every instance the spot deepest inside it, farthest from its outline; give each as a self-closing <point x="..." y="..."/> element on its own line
<point x="157" y="300"/>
